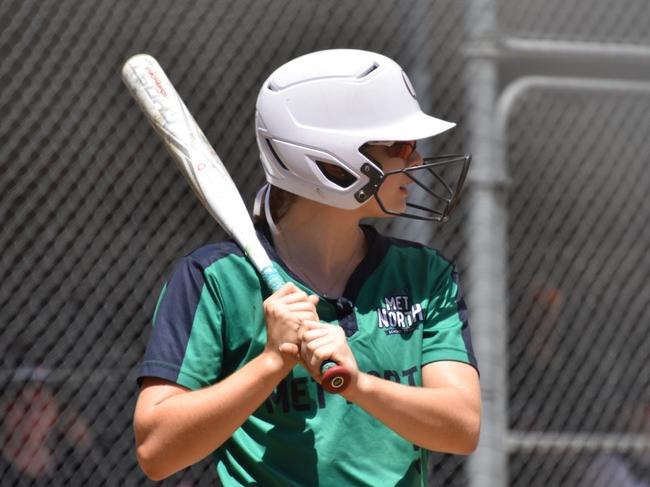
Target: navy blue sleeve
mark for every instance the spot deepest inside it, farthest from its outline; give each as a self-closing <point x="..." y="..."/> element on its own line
<point x="173" y="320"/>
<point x="447" y="334"/>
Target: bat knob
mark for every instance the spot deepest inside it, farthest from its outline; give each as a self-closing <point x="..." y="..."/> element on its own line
<point x="336" y="378"/>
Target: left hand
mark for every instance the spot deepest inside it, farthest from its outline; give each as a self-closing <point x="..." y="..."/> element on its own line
<point x="322" y="341"/>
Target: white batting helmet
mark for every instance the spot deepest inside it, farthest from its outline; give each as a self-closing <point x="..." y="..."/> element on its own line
<point x="321" y="108"/>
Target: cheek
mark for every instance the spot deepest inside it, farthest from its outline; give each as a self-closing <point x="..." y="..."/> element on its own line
<point x="392" y="164"/>
<point x="392" y="183"/>
<point x="388" y="188"/>
<point x="392" y="195"/>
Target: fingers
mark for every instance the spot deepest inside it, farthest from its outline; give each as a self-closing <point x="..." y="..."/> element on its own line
<point x="284" y="312"/>
<point x="311" y="330"/>
<point x="320" y="342"/>
<point x="290" y="294"/>
<point x="287" y="300"/>
<point x="288" y="288"/>
<point x="320" y="350"/>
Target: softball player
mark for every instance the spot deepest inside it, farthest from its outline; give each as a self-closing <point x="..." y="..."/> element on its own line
<point x="234" y="371"/>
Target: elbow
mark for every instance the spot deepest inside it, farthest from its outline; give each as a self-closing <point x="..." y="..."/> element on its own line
<point x="470" y="430"/>
<point x="463" y="431"/>
<point x="470" y="442"/>
<point x="148" y="453"/>
<point x="148" y="464"/>
<point x="459" y="436"/>
<point x="469" y="437"/>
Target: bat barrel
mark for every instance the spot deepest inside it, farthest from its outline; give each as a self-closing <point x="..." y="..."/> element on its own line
<point x="206" y="174"/>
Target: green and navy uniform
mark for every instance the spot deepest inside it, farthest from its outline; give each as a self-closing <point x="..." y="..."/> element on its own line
<point x="402" y="308"/>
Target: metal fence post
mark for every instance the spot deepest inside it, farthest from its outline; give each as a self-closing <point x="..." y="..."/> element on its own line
<point x="486" y="232"/>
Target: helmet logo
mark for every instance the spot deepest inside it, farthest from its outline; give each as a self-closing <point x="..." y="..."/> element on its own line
<point x="409" y="86"/>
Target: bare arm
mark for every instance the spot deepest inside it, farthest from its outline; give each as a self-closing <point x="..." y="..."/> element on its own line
<point x="175" y="427"/>
<point x="443" y="415"/>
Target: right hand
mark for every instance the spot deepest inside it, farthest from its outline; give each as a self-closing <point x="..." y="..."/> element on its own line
<point x="284" y="312"/>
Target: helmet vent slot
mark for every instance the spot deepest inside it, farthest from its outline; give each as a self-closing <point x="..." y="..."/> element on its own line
<point x="368" y="71"/>
<point x="275" y="154"/>
<point x="336" y="174"/>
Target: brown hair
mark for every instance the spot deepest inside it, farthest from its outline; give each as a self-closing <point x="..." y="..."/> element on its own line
<point x="279" y="201"/>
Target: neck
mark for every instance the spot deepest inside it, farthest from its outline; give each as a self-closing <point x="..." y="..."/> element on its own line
<point x="321" y="245"/>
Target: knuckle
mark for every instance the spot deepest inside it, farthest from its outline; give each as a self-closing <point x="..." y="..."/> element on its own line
<point x="290" y="286"/>
<point x="321" y="354"/>
<point x="273" y="310"/>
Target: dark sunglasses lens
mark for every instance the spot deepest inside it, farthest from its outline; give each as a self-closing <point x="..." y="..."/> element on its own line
<point x="403" y="150"/>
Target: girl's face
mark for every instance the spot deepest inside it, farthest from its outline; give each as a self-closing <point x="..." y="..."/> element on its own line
<point x="394" y="191"/>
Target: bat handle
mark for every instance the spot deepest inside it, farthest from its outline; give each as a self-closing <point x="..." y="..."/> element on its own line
<point x="271" y="277"/>
<point x="336" y="378"/>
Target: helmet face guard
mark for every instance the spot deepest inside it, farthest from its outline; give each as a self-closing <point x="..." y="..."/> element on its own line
<point x="438" y="184"/>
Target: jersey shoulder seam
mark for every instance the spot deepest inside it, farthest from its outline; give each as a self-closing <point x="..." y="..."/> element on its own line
<point x="209" y="254"/>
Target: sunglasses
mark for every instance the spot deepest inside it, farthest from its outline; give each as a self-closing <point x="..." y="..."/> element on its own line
<point x="402" y="149"/>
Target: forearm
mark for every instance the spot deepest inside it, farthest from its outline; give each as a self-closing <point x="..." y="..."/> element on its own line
<point x="184" y="428"/>
<point x="444" y="419"/>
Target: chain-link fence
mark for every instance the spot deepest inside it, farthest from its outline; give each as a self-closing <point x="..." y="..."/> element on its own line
<point x="579" y="387"/>
<point x="577" y="152"/>
<point x="590" y="21"/>
<point x="94" y="212"/>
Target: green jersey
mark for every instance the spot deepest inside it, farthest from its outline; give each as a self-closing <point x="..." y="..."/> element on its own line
<point x="402" y="309"/>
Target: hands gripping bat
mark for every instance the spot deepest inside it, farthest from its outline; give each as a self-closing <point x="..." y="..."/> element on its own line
<point x="206" y="174"/>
